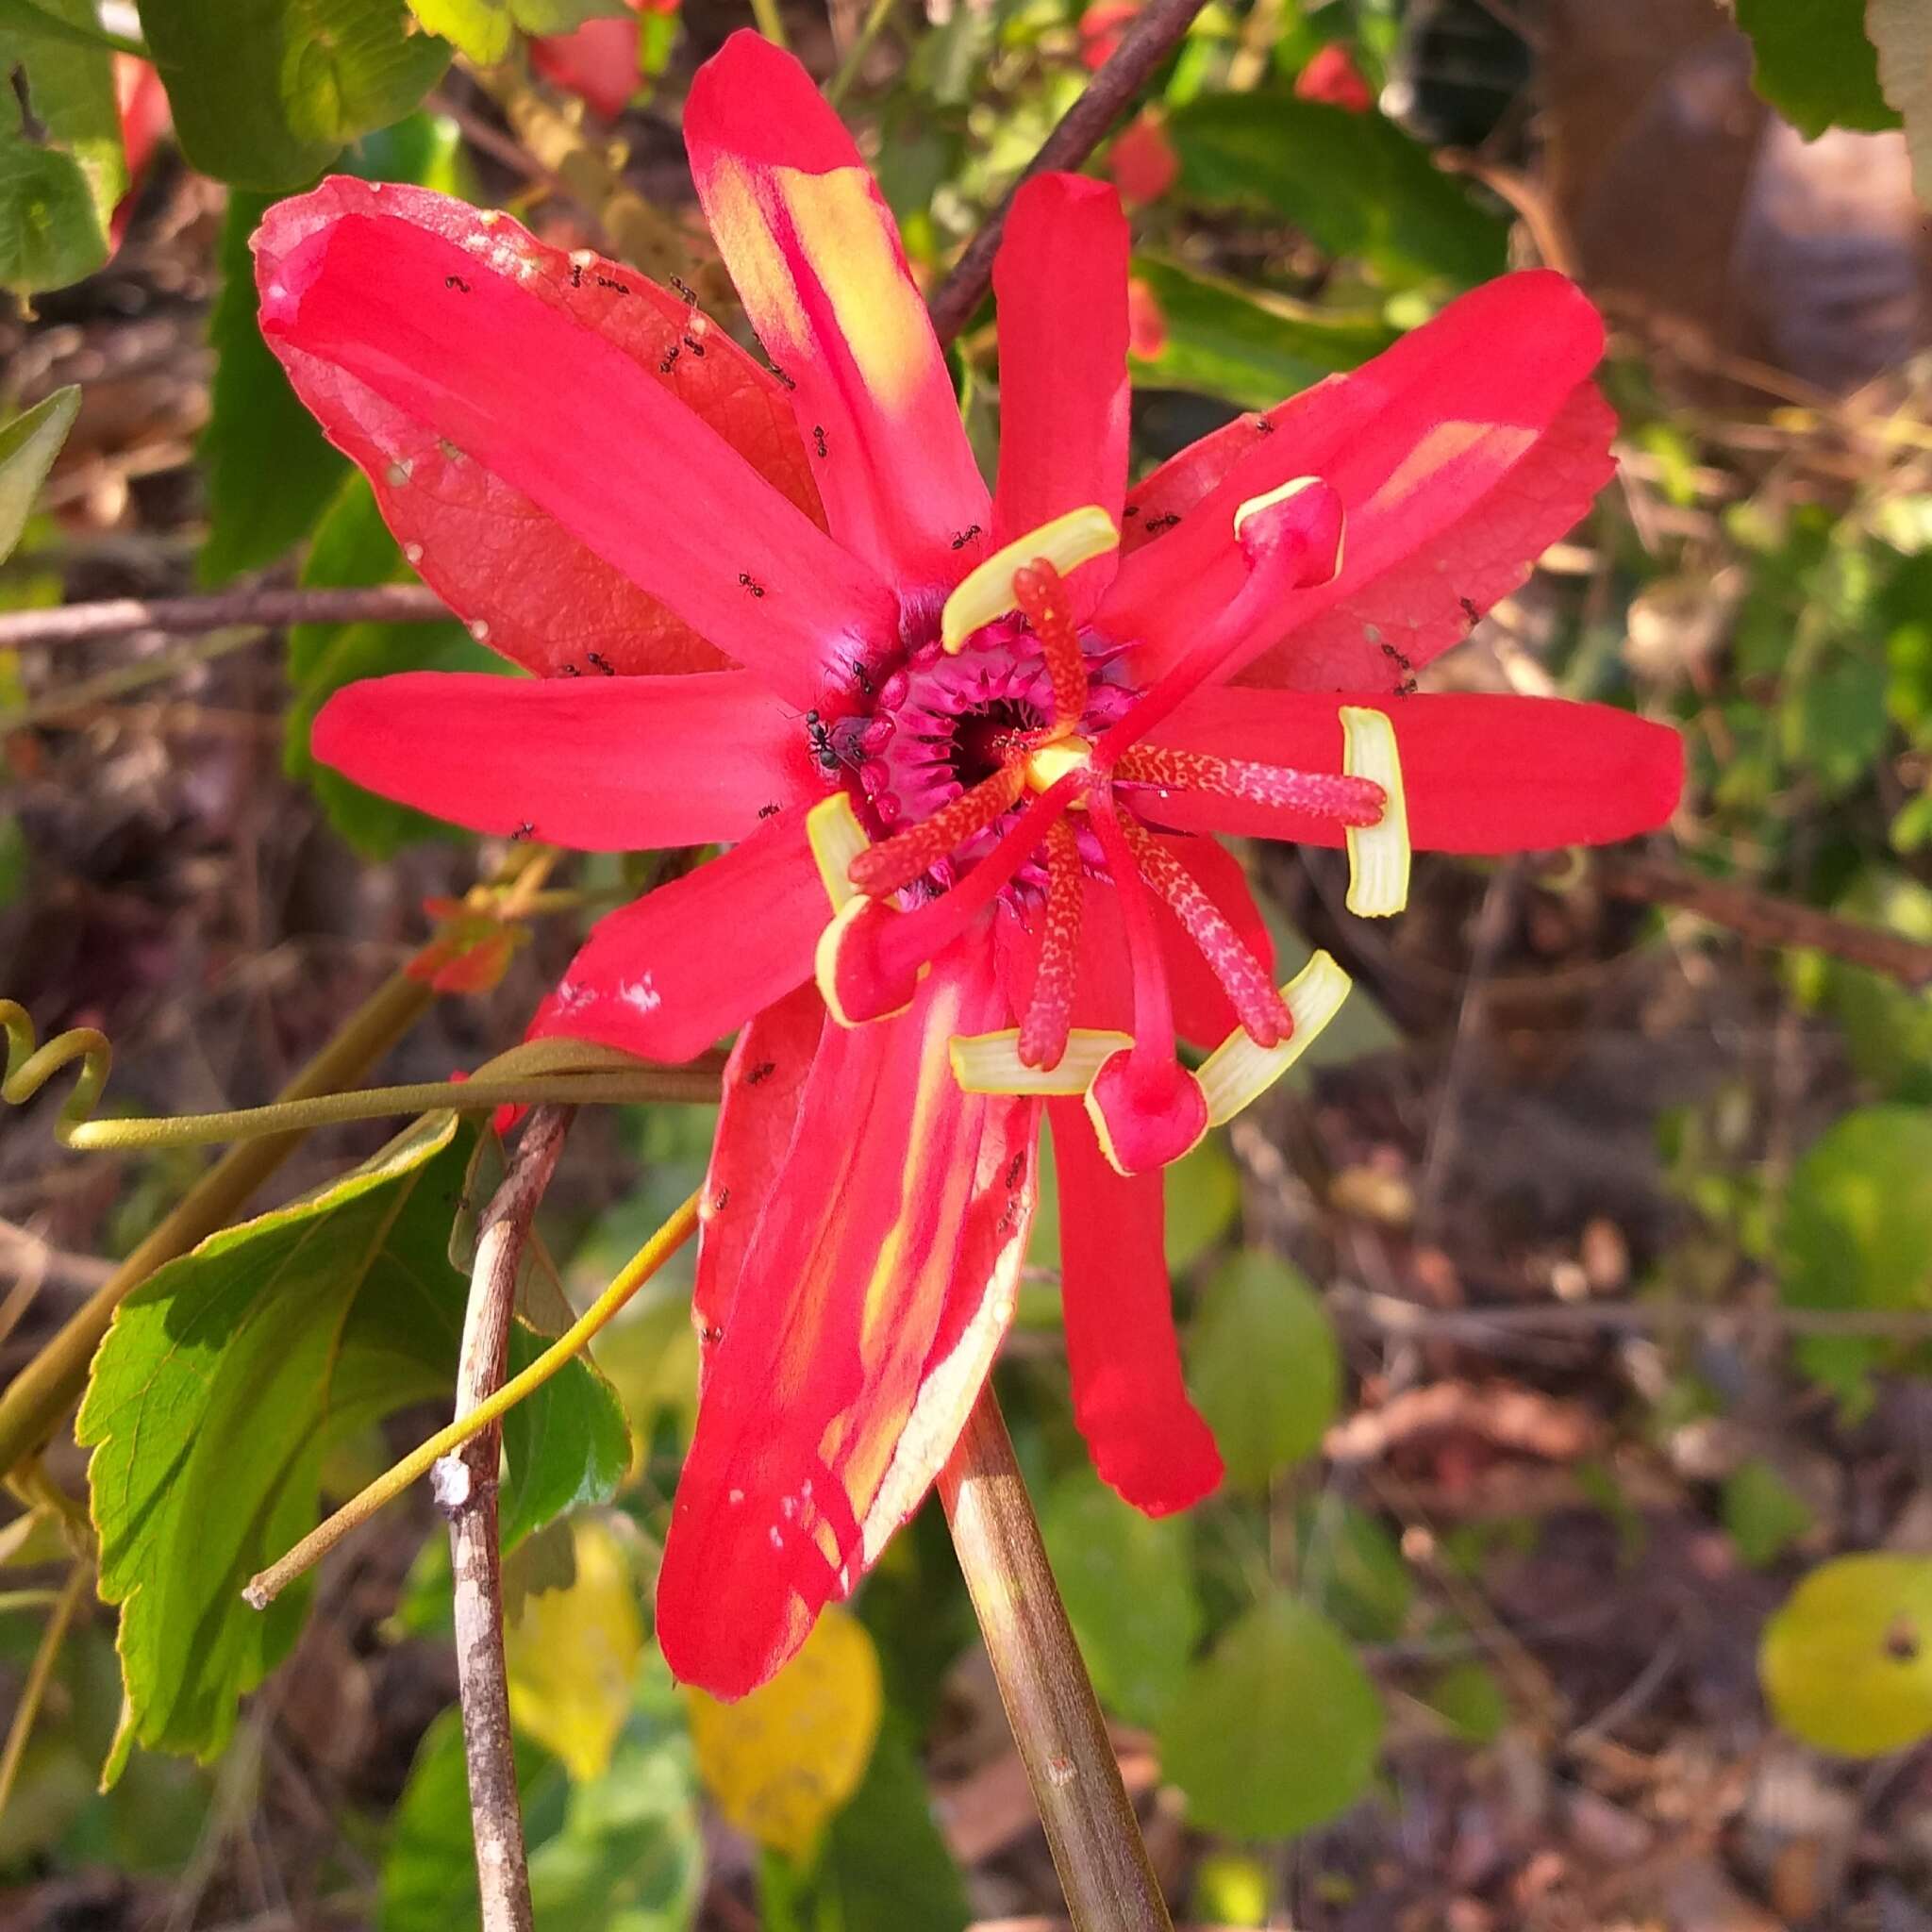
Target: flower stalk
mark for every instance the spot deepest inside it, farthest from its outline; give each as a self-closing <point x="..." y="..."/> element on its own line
<point x="1091" y="1826"/>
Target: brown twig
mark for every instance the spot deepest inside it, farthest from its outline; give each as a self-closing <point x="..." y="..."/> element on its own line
<point x="465" y="1487"/>
<point x="1759" y="917"/>
<point x="1155" y="33"/>
<point x="70" y="624"/>
<point x="1090" y="1827"/>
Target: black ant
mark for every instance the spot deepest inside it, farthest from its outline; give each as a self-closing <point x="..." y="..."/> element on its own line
<point x="603" y="664"/>
<point x="720" y="1200"/>
<point x="750" y="583"/>
<point x="697" y="348"/>
<point x="568" y="671"/>
<point x="965" y="536"/>
<point x="525" y="830"/>
<point x="783" y="378"/>
<point x="819" y="734"/>
<point x="1156" y="525"/>
<point x="670" y="361"/>
<point x="1470" y="611"/>
<point x="767" y="811"/>
<point x="1015" y="1168"/>
<point x="685" y="290"/>
<point x="818" y="437"/>
<point x="1263" y="427"/>
<point x="577" y="275"/>
<point x="763" y="1071"/>
<point x="861" y="678"/>
<point x="458" y="283"/>
<point x="611" y="282"/>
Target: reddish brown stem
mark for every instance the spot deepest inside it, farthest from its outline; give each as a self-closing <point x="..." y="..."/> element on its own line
<point x="71" y="623"/>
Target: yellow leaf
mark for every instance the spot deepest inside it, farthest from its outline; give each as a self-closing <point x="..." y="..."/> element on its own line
<point x="573" y="1655"/>
<point x="780" y="1763"/>
<point x="1846" y="1662"/>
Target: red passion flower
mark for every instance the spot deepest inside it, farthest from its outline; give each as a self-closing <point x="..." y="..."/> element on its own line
<point x="967" y="751"/>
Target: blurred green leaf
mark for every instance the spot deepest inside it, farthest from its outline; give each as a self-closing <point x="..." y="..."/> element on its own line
<point x="429" y="1869"/>
<point x="1263" y="1367"/>
<point x="1277" y="1729"/>
<point x="1468" y="1698"/>
<point x="882" y="1867"/>
<point x="1858" y="1233"/>
<point x="1203" y="1192"/>
<point x="1250" y="347"/>
<point x="1814" y="63"/>
<point x="1128" y="1584"/>
<point x="482" y="30"/>
<point x="1764" y="1515"/>
<point x="219" y="1388"/>
<point x="255" y="426"/>
<point x="1846" y="1662"/>
<point x="1354" y="183"/>
<point x="628" y="1855"/>
<point x="266" y="93"/>
<point x="1834" y="722"/>
<point x="353" y="546"/>
<point x="28" y="445"/>
<point x="1350" y="1568"/>
<point x="1230" y="1889"/>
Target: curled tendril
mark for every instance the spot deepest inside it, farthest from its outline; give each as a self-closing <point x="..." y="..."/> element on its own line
<point x="567" y="1071"/>
<point x="31" y="1066"/>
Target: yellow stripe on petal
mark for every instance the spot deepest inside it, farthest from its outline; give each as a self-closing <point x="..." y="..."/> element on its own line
<point x="1238" y="1071"/>
<point x="836" y="837"/>
<point x="1377" y="854"/>
<point x="986" y="591"/>
<point x="991" y="1062"/>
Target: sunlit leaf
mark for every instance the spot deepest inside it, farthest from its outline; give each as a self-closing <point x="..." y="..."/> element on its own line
<point x="1846" y="1662"/>
<point x="780" y="1763"/>
<point x="1129" y="1588"/>
<point x="1814" y="64"/>
<point x="572" y="1653"/>
<point x="1902" y="32"/>
<point x="1277" y="1729"/>
<point x="483" y="29"/>
<point x="28" y="445"/>
<point x="265" y="92"/>
<point x="1263" y="1367"/>
<point x="223" y="1381"/>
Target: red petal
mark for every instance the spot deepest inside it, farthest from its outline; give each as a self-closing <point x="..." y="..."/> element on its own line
<point x="432" y="359"/>
<point x="600" y="764"/>
<point x="1147" y="1439"/>
<point x="1427" y="444"/>
<point x="878" y="1283"/>
<point x="598" y="63"/>
<point x="813" y="249"/>
<point x="1482" y="773"/>
<point x="1061" y="283"/>
<point x="764" y="1083"/>
<point x="666" y="976"/>
<point x="1201" y="1010"/>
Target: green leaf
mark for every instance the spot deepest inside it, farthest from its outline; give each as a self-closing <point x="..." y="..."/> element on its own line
<point x="257" y="427"/>
<point x="883" y="1866"/>
<point x="1223" y="340"/>
<point x="1858" y="1233"/>
<point x="482" y="30"/>
<point x="1263" y="1367"/>
<point x="1277" y="1729"/>
<point x="1203" y="1192"/>
<point x="1468" y="1698"/>
<point x="430" y="1870"/>
<point x="1901" y="30"/>
<point x="1847" y="1663"/>
<point x="225" y="1379"/>
<point x="628" y="1856"/>
<point x="28" y="445"/>
<point x="265" y="92"/>
<point x="354" y="546"/>
<point x="1764" y="1513"/>
<point x="1814" y="64"/>
<point x="1129" y="1589"/>
<point x="1351" y="1569"/>
<point x="1354" y="183"/>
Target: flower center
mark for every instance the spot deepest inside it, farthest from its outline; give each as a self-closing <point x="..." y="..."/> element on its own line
<point x="977" y="749"/>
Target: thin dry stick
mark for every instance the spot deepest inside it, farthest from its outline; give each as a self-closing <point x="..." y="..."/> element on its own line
<point x="1090" y="1827"/>
<point x="39" y="1675"/>
<point x="1156" y="32"/>
<point x="1757" y="916"/>
<point x="465" y="1487"/>
<point x="187" y="616"/>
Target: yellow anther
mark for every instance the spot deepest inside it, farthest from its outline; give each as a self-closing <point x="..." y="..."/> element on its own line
<point x="1377" y="854"/>
<point x="1047" y="766"/>
<point x="836" y="837"/>
<point x="1238" y="1071"/>
<point x="987" y="590"/>
<point x="991" y="1062"/>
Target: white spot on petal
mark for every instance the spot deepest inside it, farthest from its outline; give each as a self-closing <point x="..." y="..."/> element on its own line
<point x="479" y="627"/>
<point x="640" y="994"/>
<point x="398" y="473"/>
<point x="413" y="552"/>
<point x="734" y="1496"/>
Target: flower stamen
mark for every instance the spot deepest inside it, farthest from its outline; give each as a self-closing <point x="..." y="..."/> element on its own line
<point x="1238" y="1072"/>
<point x="1041" y="592"/>
<point x="1050" y="1012"/>
<point x="1349" y="801"/>
<point x="909" y="855"/>
<point x="986" y="591"/>
<point x="997" y="1062"/>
